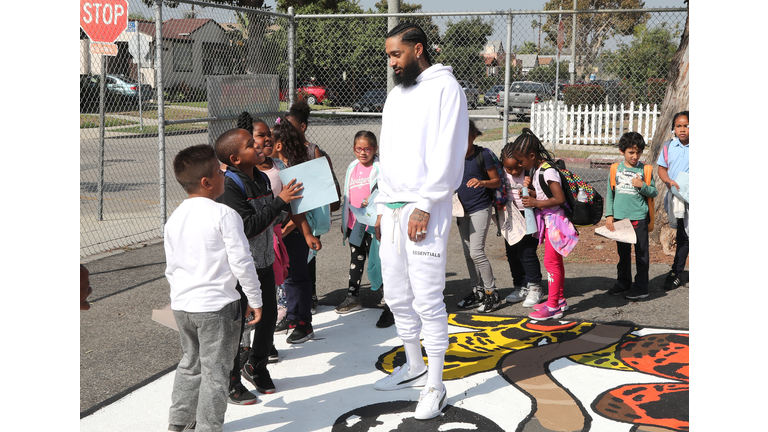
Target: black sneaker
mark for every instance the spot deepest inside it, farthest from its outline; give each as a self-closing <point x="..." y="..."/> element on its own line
<point x="243" y="354"/>
<point x="635" y="294"/>
<point x="617" y="289"/>
<point x="673" y="281"/>
<point x="259" y="377"/>
<point x="273" y="357"/>
<point x="474" y="298"/>
<point x="284" y="325"/>
<point x="239" y="395"/>
<point x="301" y="333"/>
<point x="491" y="302"/>
<point x="181" y="428"/>
<point x="386" y="319"/>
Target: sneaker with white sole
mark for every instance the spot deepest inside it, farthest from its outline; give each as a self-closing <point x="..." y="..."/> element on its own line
<point x="533" y="297"/>
<point x="473" y="298"/>
<point x="350" y="304"/>
<point x="431" y="403"/>
<point x="180" y="428"/>
<point x="546" y="313"/>
<point x="491" y="302"/>
<point x="518" y="294"/>
<point x="561" y="304"/>
<point x="401" y="377"/>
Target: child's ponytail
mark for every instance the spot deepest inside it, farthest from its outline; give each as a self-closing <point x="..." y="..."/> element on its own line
<point x="293" y="148"/>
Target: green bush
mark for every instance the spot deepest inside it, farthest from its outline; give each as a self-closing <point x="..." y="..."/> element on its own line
<point x="583" y="94"/>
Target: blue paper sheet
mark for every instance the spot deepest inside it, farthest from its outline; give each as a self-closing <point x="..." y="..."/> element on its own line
<point x="366" y="215"/>
<point x="682" y="180"/>
<point x="317" y="180"/>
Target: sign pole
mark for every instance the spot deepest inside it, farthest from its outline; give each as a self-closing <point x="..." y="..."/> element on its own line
<point x="102" y="103"/>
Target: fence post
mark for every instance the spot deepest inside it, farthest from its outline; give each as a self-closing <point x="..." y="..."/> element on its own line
<point x="160" y="108"/>
<point x="291" y="58"/>
<point x="507" y="73"/>
<point x="392" y="22"/>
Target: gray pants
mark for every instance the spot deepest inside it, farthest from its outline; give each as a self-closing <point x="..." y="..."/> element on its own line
<point x="209" y="341"/>
<point x="473" y="230"/>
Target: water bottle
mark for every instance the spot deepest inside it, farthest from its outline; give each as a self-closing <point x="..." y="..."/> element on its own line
<point x="582" y="197"/>
<point x="530" y="218"/>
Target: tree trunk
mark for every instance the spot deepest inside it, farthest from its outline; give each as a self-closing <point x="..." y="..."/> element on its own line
<point x="675" y="100"/>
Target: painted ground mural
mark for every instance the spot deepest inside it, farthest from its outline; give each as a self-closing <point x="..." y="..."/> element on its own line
<point x="501" y="374"/>
<point x="521" y="350"/>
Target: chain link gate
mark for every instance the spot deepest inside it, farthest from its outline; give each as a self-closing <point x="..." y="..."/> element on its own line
<point x="218" y="60"/>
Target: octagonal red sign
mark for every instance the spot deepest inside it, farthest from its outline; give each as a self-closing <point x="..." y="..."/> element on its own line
<point x="103" y="20"/>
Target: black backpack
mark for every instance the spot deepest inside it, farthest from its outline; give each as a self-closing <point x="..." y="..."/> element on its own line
<point x="580" y="213"/>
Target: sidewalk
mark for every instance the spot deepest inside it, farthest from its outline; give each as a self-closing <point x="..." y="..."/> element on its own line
<point x="127" y="359"/>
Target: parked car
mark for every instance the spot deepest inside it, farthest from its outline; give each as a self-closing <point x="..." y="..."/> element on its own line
<point x="315" y="93"/>
<point x="129" y="88"/>
<point x="471" y="92"/>
<point x="90" y="94"/>
<point x="523" y="94"/>
<point x="490" y="95"/>
<point x="372" y="101"/>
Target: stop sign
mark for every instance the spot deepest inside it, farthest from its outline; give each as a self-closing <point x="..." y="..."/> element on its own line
<point x="103" y="20"/>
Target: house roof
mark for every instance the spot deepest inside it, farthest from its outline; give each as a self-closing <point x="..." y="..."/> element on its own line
<point x="544" y="61"/>
<point x="494" y="46"/>
<point x="527" y="60"/>
<point x="146" y="27"/>
<point x="180" y="29"/>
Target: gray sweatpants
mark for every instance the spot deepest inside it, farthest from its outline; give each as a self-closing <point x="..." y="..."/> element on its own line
<point x="473" y="230"/>
<point x="209" y="341"/>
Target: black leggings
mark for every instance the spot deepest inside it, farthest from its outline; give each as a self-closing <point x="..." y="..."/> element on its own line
<point x="357" y="258"/>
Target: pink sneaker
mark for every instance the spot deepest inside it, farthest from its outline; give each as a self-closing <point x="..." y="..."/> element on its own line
<point x="561" y="304"/>
<point x="546" y="313"/>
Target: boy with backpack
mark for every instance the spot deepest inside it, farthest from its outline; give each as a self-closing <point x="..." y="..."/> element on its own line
<point x="630" y="196"/>
<point x="206" y="254"/>
<point x="248" y="191"/>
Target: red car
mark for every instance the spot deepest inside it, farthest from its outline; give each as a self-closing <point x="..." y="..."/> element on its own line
<point x="313" y="93"/>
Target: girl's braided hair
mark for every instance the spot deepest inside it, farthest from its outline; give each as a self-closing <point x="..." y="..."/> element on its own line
<point x="245" y="121"/>
<point x="293" y="147"/>
<point x="527" y="143"/>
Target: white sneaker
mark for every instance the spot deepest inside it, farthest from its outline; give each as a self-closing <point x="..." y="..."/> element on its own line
<point x="517" y="295"/>
<point x="401" y="377"/>
<point x="533" y="297"/>
<point x="431" y="403"/>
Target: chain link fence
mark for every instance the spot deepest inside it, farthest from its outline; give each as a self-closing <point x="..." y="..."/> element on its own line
<point x="219" y="60"/>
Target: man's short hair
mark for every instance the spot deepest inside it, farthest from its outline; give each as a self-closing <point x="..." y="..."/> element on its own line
<point x="228" y="144"/>
<point x="631" y="139"/>
<point x="411" y="34"/>
<point x="192" y="164"/>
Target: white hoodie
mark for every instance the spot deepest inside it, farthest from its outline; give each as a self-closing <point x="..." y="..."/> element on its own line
<point x="424" y="138"/>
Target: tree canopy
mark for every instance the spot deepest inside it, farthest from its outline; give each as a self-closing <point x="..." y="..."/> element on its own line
<point x="462" y="44"/>
<point x="593" y="29"/>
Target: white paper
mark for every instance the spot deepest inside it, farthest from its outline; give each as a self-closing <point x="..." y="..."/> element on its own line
<point x="682" y="180"/>
<point x="513" y="227"/>
<point x="319" y="188"/>
<point x="623" y="232"/>
<point x="165" y="317"/>
<point x="458" y="209"/>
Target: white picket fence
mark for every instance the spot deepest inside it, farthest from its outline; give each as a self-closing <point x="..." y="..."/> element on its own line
<point x="556" y="123"/>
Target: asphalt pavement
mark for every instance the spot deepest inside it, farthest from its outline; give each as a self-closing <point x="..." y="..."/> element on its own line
<point x="123" y="350"/>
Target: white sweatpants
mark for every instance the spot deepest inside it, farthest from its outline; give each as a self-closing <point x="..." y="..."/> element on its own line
<point x="414" y="276"/>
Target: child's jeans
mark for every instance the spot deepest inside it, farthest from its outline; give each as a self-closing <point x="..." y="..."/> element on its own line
<point x="624" y="268"/>
<point x="681" y="254"/>
<point x="553" y="262"/>
<point x="298" y="285"/>
<point x="209" y="341"/>
<point x="523" y="262"/>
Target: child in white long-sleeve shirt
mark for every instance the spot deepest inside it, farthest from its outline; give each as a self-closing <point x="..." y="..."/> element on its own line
<point x="206" y="254"/>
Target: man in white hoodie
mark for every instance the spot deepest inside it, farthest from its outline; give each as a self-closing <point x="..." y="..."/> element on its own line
<point x="424" y="133"/>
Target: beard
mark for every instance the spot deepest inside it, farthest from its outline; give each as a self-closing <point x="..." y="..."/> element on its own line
<point x="408" y="74"/>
